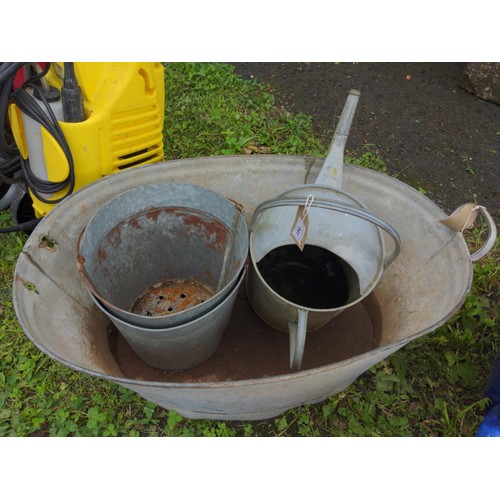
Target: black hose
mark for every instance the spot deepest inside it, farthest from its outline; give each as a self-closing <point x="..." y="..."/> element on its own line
<point x="13" y="168"/>
<point x="38" y="76"/>
<point x="8" y="69"/>
<point x="29" y="106"/>
<point x="26" y="227"/>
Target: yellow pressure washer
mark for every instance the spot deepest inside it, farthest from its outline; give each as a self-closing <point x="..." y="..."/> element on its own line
<point x="69" y="124"/>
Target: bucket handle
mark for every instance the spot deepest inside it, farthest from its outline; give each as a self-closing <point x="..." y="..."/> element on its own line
<point x="338" y="207"/>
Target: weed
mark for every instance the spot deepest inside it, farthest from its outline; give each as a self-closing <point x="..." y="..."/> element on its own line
<point x="368" y="156"/>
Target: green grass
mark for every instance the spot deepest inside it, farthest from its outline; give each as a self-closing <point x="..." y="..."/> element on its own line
<point x="211" y="111"/>
<point x="431" y="387"/>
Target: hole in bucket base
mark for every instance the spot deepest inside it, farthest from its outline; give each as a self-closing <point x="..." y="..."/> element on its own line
<point x="172" y="296"/>
<point x="315" y="278"/>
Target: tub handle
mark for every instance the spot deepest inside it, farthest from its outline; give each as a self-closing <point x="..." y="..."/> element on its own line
<point x="463" y="218"/>
<point x="338" y="207"/>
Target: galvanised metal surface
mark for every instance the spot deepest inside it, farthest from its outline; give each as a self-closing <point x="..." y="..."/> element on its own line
<point x="338" y="223"/>
<point x="248" y="378"/>
<point x="347" y="230"/>
<point x="183" y="346"/>
<point x="332" y="170"/>
<point x="150" y="237"/>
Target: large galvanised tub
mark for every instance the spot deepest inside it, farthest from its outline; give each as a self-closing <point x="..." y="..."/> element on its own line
<point x="248" y="378"/>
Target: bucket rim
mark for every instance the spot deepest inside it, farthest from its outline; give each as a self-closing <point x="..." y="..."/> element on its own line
<point x="216" y="297"/>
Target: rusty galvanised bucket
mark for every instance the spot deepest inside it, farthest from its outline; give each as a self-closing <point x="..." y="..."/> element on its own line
<point x="248" y="377"/>
<point x="163" y="262"/>
<point x="183" y="346"/>
<point x="162" y="255"/>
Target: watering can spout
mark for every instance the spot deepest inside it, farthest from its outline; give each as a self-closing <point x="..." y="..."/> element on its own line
<point x="333" y="166"/>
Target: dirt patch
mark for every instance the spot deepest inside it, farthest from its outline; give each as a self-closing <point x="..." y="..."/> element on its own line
<point x="430" y="132"/>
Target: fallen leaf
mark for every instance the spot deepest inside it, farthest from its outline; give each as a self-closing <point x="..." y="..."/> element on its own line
<point x="339" y="425"/>
<point x="253" y="149"/>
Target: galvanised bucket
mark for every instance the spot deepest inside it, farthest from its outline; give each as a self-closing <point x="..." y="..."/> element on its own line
<point x="162" y="255"/>
<point x="183" y="346"/>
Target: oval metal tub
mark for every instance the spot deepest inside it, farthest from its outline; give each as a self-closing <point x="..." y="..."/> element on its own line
<point x="248" y="377"/>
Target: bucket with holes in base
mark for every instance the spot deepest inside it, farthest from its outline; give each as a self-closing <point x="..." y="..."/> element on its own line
<point x="183" y="346"/>
<point x="160" y="256"/>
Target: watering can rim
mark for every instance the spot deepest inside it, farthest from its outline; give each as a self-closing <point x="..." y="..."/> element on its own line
<point x="311" y="309"/>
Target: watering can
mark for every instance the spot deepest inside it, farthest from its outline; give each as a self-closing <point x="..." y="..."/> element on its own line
<point x="330" y="219"/>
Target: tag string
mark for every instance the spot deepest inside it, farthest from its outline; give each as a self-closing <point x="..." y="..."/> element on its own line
<point x="309" y="202"/>
<point x="475" y="209"/>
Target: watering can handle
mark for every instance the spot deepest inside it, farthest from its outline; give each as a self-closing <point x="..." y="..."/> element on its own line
<point x="297" y="339"/>
<point x="338" y="207"/>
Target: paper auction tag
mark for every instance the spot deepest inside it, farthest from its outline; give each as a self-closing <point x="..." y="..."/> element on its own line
<point x="301" y="223"/>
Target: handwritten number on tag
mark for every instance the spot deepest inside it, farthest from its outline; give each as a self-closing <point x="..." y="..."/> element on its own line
<point x="299" y="230"/>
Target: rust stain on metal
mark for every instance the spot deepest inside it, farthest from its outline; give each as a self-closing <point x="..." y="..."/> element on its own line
<point x="215" y="232"/>
<point x="154" y="213"/>
<point x="101" y="254"/>
<point x="251" y="349"/>
<point x="240" y="207"/>
<point x="172" y="296"/>
<point x="80" y="262"/>
<point x="134" y="222"/>
<point x="114" y="237"/>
